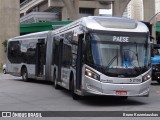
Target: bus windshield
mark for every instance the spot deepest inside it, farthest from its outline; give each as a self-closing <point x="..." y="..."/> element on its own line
<point x="127" y="59"/>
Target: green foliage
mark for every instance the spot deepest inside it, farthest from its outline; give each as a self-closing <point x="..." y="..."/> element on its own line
<point x="4" y="43"/>
<point x="1" y="69"/>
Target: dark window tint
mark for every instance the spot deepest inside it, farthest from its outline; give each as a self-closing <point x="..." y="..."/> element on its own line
<point x="14" y="53"/>
<point x="66" y="56"/>
<point x="31" y="53"/>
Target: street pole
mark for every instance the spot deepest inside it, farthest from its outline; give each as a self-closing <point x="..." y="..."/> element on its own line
<point x="153" y="21"/>
<point x="153" y="16"/>
<point x="72" y="8"/>
<point x="119" y="7"/>
<point x="9" y="22"/>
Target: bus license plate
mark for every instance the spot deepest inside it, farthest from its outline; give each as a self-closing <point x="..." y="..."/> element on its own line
<point x="121" y="93"/>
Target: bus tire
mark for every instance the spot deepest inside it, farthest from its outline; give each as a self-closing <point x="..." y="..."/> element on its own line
<point x="74" y="95"/>
<point x="25" y="74"/>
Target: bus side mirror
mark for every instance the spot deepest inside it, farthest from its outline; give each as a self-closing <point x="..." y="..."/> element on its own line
<point x="152" y="38"/>
<point x="83" y="46"/>
<point x="152" y="50"/>
<point x="152" y="53"/>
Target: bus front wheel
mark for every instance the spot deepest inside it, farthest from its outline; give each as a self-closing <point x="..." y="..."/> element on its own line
<point x="25" y="75"/>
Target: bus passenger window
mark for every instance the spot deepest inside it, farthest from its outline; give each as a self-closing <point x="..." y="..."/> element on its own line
<point x="14" y="53"/>
<point x="67" y="56"/>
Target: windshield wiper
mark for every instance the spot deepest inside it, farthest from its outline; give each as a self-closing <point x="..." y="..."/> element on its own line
<point x="111" y="61"/>
<point x="135" y="68"/>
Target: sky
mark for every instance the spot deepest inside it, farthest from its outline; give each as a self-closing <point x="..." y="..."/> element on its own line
<point x="105" y="11"/>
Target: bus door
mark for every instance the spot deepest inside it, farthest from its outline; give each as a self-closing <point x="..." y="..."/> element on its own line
<point x="60" y="49"/>
<point x="40" y="57"/>
<point x="66" y="63"/>
<point x="79" y="62"/>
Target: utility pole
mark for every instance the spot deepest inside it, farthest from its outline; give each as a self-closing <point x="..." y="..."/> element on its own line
<point x="72" y="8"/>
<point x="9" y="22"/>
<point x="119" y="7"/>
<point x="149" y="13"/>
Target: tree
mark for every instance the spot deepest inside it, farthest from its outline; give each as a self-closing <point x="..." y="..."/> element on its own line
<point x="4" y="43"/>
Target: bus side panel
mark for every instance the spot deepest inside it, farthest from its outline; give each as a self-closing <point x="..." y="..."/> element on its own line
<point x="49" y="48"/>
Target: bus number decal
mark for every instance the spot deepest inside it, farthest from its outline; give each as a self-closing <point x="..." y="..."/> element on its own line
<point x="135" y="80"/>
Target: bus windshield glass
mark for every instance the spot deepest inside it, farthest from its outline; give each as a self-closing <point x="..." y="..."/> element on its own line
<point x="120" y="58"/>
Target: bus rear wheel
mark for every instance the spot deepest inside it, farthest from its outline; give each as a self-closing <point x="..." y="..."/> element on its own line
<point x="25" y="75"/>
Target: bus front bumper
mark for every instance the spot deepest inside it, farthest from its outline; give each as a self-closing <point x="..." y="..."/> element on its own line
<point x="93" y="87"/>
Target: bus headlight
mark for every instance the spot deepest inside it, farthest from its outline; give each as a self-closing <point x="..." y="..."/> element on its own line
<point x="146" y="76"/>
<point x="92" y="74"/>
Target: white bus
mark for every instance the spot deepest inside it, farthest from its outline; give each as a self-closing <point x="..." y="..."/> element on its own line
<point x="92" y="56"/>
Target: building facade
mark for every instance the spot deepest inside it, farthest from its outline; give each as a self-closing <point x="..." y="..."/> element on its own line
<point x="157" y="9"/>
<point x="9" y="22"/>
<point x="157" y="6"/>
<point x="134" y="10"/>
<point x="86" y="8"/>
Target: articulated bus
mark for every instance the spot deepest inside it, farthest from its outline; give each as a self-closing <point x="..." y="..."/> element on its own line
<point x="94" y="55"/>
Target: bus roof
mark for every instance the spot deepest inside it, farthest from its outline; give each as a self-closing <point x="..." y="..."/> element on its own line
<point x="115" y="24"/>
<point x="97" y="23"/>
<point x="32" y="35"/>
<point x="107" y="24"/>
